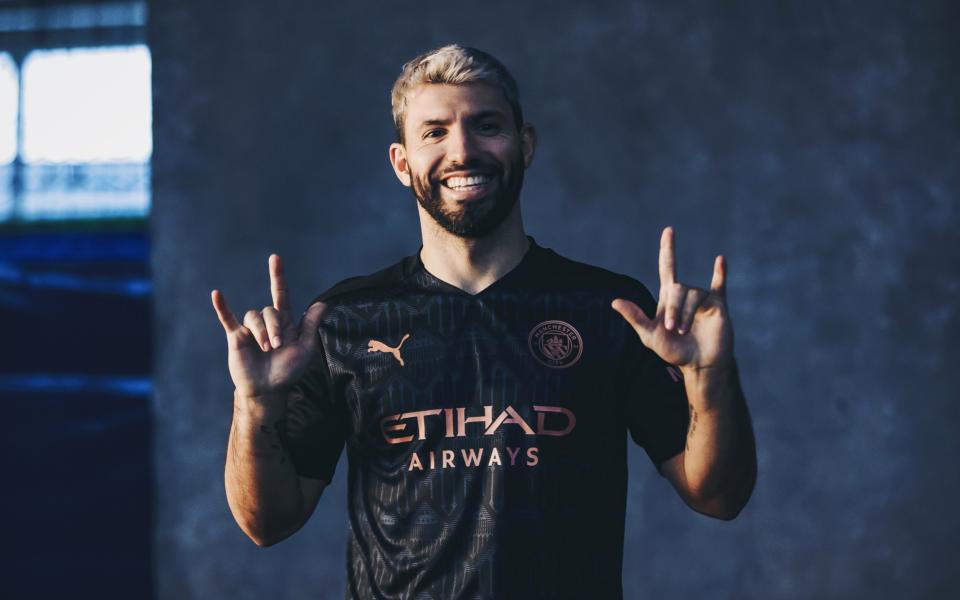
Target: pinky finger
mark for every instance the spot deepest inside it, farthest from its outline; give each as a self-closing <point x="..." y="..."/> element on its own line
<point x="227" y="319"/>
<point x="718" y="283"/>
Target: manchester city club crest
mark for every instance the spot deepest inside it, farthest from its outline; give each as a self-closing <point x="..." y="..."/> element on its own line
<point x="556" y="344"/>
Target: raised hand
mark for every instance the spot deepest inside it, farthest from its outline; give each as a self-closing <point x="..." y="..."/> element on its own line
<point x="269" y="351"/>
<point x="691" y="327"/>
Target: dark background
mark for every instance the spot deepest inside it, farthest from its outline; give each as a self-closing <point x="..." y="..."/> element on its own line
<point x="76" y="358"/>
<point x="814" y="144"/>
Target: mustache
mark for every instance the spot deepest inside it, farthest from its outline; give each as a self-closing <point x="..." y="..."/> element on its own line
<point x="474" y="165"/>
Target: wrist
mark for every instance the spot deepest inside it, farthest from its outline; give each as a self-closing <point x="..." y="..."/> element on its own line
<point x="717" y="370"/>
<point x="259" y="404"/>
<point x="706" y="385"/>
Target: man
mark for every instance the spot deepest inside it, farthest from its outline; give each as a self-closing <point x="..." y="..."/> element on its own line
<point x="484" y="386"/>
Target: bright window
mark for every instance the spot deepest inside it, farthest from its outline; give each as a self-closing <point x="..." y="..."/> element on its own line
<point x="85" y="134"/>
<point x="87" y="105"/>
<point x="8" y="109"/>
<point x="8" y="132"/>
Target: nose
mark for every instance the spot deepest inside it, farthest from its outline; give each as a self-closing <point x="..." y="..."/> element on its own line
<point x="461" y="145"/>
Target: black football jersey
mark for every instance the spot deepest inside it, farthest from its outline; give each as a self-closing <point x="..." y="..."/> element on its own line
<point x="486" y="434"/>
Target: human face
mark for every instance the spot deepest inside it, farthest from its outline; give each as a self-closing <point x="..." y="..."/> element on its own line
<point x="463" y="156"/>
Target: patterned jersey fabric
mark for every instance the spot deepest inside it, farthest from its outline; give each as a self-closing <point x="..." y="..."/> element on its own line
<point x="486" y="434"/>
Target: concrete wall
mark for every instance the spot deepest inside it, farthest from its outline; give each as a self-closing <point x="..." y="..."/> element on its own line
<point x="815" y="144"/>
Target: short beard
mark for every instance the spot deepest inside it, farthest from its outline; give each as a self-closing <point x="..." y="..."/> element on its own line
<point x="477" y="218"/>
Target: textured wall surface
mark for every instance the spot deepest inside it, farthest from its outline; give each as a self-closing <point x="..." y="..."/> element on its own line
<point x="815" y="144"/>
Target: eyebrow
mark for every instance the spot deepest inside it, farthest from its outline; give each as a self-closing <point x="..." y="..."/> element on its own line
<point x="483" y="114"/>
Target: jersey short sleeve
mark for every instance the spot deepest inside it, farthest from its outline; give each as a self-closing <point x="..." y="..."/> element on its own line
<point x="655" y="400"/>
<point x="316" y="424"/>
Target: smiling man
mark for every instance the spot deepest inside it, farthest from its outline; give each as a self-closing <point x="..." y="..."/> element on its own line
<point x="481" y="179"/>
<point x="484" y="386"/>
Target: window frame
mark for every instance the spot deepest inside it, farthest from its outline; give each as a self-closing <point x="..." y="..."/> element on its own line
<point x="24" y="29"/>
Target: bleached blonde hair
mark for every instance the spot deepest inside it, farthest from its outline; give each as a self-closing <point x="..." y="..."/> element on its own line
<point x="452" y="64"/>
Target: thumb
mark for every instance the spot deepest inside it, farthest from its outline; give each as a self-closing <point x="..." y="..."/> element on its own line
<point x="310" y="323"/>
<point x="635" y="316"/>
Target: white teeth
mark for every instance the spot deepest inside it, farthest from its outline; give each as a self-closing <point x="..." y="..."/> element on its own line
<point x="462" y="182"/>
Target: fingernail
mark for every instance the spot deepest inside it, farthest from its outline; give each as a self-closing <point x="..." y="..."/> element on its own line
<point x="276" y="341"/>
<point x="680" y="331"/>
<point x="669" y="324"/>
<point x="266" y="347"/>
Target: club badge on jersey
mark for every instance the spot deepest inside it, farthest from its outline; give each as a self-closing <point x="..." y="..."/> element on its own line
<point x="555" y="344"/>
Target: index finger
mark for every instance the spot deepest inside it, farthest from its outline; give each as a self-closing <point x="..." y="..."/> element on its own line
<point x="668" y="272"/>
<point x="278" y="284"/>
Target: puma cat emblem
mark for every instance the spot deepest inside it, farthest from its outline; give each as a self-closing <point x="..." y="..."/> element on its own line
<point x="378" y="346"/>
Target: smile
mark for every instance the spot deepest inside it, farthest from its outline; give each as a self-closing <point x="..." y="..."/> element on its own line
<point x="464" y="184"/>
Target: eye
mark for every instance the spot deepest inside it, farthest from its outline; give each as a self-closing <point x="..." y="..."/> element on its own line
<point x="433" y="133"/>
<point x="488" y="127"/>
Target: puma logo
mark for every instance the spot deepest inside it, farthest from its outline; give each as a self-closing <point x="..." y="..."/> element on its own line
<point x="378" y="346"/>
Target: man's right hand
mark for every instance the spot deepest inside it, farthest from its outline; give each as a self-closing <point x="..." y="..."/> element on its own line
<point x="268" y="353"/>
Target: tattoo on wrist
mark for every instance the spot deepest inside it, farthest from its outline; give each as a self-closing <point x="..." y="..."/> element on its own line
<point x="269" y="441"/>
<point x="693" y="424"/>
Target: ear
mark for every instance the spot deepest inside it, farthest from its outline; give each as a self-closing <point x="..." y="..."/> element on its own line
<point x="528" y="143"/>
<point x="398" y="158"/>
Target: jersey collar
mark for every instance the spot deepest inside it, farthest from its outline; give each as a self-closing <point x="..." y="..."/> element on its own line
<point x="413" y="265"/>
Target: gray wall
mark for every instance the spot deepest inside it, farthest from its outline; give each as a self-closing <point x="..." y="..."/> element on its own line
<point x="815" y="144"/>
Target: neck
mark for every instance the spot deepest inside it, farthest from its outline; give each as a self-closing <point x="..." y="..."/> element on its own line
<point x="472" y="264"/>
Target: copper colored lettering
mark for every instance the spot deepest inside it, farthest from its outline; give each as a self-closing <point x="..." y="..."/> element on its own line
<point x="508" y="416"/>
<point x="415" y="462"/>
<point x="421" y="417"/>
<point x="463" y="420"/>
<point x="541" y="420"/>
<point x="532" y="458"/>
<point x="384" y="428"/>
<point x="472" y="457"/>
<point x="448" y="456"/>
<point x="448" y="419"/>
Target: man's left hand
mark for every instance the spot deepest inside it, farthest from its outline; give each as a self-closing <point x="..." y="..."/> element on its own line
<point x="691" y="328"/>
